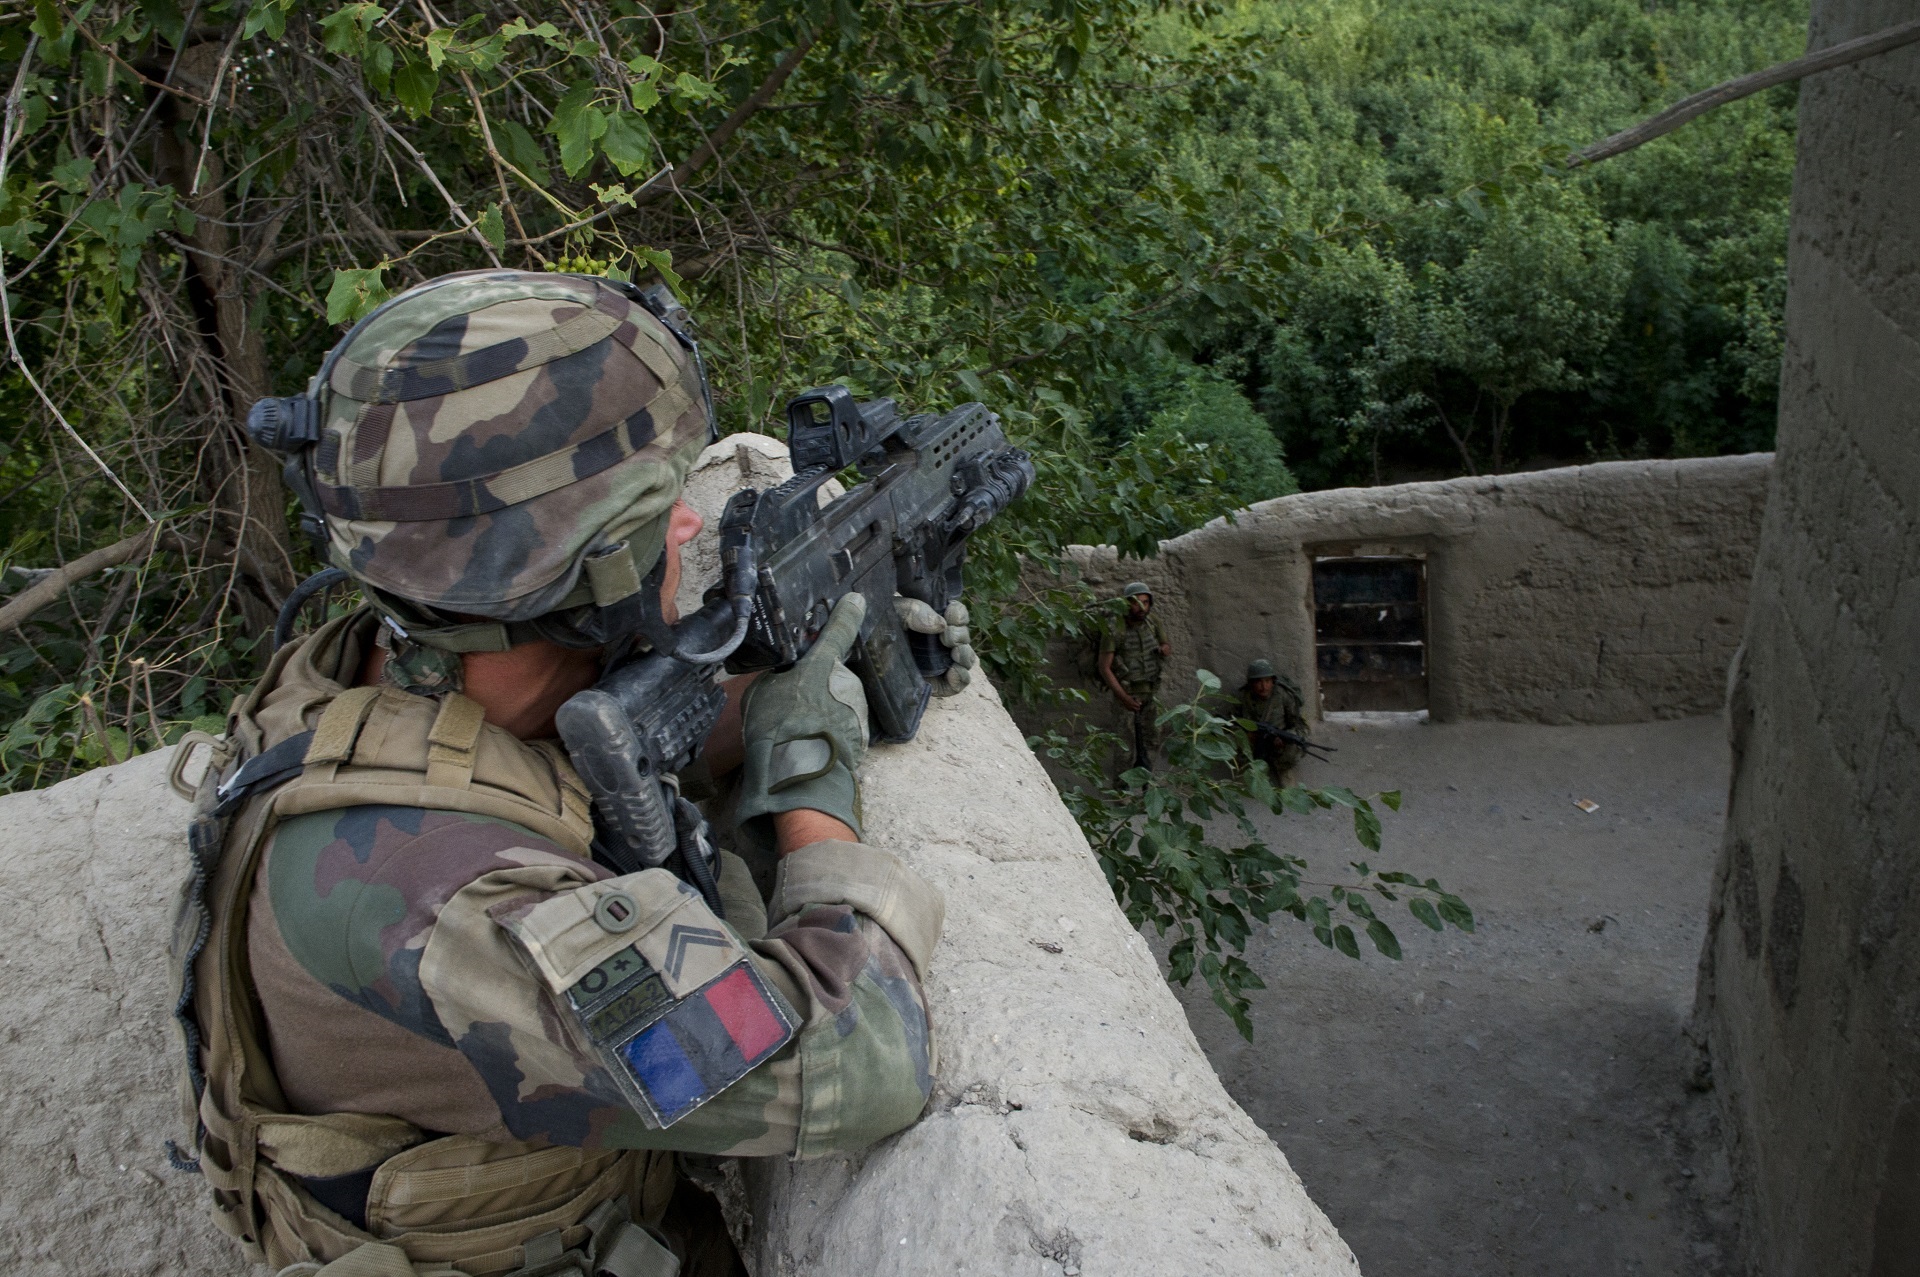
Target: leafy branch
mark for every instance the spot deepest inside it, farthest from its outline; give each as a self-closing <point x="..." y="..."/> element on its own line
<point x="1158" y="839"/>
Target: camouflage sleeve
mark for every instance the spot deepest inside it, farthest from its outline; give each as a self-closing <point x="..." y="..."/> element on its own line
<point x="1109" y="639"/>
<point x="619" y="1012"/>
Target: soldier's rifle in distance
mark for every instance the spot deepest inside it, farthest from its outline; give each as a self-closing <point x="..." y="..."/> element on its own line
<point x="928" y="482"/>
<point x="1276" y="736"/>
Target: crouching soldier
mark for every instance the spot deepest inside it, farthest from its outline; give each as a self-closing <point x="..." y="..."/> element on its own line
<point x="1133" y="656"/>
<point x="1273" y="705"/>
<point x="427" y="1032"/>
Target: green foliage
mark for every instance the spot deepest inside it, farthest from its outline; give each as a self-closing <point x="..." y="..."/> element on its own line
<point x="1156" y="836"/>
<point x="1486" y="308"/>
<point x="1201" y="407"/>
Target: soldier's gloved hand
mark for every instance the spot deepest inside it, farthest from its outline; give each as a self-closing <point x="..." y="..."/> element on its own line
<point x="805" y="731"/>
<point x="954" y="634"/>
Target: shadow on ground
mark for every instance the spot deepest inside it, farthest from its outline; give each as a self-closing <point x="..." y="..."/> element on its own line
<point x="1514" y="1101"/>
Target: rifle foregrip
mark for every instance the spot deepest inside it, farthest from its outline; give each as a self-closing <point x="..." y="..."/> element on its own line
<point x="634" y="817"/>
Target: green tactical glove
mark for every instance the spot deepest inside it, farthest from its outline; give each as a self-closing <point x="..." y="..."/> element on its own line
<point x="955" y="636"/>
<point x="806" y="731"/>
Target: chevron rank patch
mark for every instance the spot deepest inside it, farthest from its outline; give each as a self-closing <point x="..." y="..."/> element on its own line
<point x="672" y="1054"/>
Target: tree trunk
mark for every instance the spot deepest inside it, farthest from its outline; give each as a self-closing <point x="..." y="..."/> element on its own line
<point x="242" y="483"/>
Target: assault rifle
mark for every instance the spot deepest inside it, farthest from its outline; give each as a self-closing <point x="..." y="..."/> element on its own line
<point x="1271" y="737"/>
<point x="928" y="483"/>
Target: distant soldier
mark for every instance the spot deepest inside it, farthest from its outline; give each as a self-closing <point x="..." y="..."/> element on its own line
<point x="1132" y="658"/>
<point x="1273" y="704"/>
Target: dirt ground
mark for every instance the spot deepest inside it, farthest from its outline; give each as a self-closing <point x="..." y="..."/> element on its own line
<point x="1512" y="1101"/>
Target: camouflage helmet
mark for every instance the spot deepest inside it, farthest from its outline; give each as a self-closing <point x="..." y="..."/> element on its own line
<point x="504" y="444"/>
<point x="1136" y="587"/>
<point x="1259" y="669"/>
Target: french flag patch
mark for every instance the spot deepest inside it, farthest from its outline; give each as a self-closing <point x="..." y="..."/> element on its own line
<point x="679" y="1053"/>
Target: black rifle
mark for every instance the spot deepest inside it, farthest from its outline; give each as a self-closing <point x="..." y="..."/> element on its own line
<point x="1273" y="737"/>
<point x="928" y="483"/>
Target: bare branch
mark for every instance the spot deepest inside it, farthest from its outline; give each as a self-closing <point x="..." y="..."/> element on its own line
<point x="21" y="607"/>
<point x="1699" y="104"/>
<point x="752" y="103"/>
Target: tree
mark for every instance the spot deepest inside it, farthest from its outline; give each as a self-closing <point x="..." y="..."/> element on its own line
<point x="939" y="201"/>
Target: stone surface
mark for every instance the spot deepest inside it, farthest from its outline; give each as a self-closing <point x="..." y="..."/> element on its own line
<point x="88" y="873"/>
<point x="1607" y="593"/>
<point x="1809" y="996"/>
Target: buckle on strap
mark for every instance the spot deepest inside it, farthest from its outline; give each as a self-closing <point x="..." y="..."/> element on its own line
<point x="616" y="1245"/>
<point x="263" y="771"/>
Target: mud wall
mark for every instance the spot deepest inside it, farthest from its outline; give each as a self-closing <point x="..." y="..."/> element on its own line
<point x="1606" y="593"/>
<point x="1810" y="978"/>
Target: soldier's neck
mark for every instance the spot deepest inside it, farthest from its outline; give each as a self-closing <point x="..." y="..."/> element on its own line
<point x="521" y="688"/>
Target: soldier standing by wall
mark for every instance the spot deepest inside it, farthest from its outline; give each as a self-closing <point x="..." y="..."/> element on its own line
<point x="1132" y="658"/>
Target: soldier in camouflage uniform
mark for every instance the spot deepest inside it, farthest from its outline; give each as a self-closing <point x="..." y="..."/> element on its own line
<point x="1272" y="701"/>
<point x="1133" y="653"/>
<point x="413" y="977"/>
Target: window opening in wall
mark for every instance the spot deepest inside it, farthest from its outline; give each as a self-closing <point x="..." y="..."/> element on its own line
<point x="1370" y="632"/>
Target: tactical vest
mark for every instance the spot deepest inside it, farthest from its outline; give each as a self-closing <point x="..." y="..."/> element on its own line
<point x="1136" y="652"/>
<point x="304" y="740"/>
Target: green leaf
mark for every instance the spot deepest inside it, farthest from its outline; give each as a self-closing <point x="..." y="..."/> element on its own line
<point x="73" y="175"/>
<point x="17" y="237"/>
<point x="354" y="293"/>
<point x="1422" y="908"/>
<point x="378" y="65"/>
<point x="578" y="125"/>
<point x="96" y="72"/>
<point x="1344" y="941"/>
<point x="1383" y="939"/>
<point x="344" y="31"/>
<point x="414" y="84"/>
<point x="661" y="261"/>
<point x="1391" y="797"/>
<point x="1366" y="827"/>
<point x="628" y="143"/>
<point x="1297" y="800"/>
<point x="522" y="150"/>
<point x="518" y="27"/>
<point x="166" y="19"/>
<point x="693" y="88"/>
<point x="1455" y="910"/>
<point x="493" y="228"/>
<point x="47" y="23"/>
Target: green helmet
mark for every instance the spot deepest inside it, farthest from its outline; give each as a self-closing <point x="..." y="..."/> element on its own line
<point x="498" y="443"/>
<point x="1260" y="669"/>
<point x="1136" y="587"/>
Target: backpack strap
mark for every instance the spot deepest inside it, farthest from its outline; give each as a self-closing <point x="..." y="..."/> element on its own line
<point x="451" y="742"/>
<point x="338" y="729"/>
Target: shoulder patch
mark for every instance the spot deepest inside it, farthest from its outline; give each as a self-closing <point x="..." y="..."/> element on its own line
<point x="671" y="1055"/>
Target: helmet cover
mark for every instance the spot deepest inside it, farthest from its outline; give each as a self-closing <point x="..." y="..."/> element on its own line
<point x="1136" y="587"/>
<point x="485" y="432"/>
<point x="1259" y="669"/>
